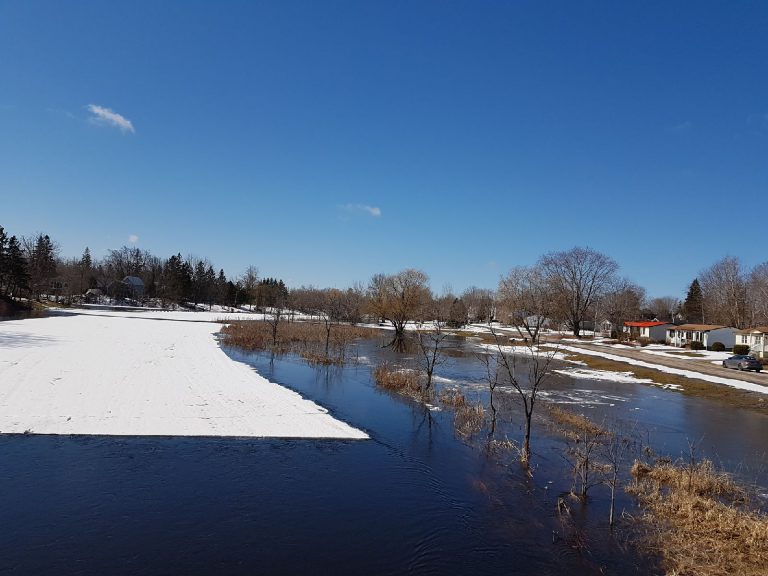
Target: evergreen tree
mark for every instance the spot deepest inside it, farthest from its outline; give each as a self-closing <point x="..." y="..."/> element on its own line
<point x="221" y="288"/>
<point x="177" y="279"/>
<point x="18" y="276"/>
<point x="693" y="307"/>
<point x="85" y="266"/>
<point x="42" y="264"/>
<point x="3" y="262"/>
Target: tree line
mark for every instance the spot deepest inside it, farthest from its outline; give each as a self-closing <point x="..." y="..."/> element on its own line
<point x="577" y="289"/>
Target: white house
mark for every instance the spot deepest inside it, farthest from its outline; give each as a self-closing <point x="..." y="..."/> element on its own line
<point x="653" y="330"/>
<point x="707" y="334"/>
<point x="757" y="340"/>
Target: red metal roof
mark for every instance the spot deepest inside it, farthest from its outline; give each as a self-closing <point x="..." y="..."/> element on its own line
<point x="644" y="324"/>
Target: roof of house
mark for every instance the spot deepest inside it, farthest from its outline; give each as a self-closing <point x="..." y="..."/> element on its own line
<point x="700" y="327"/>
<point x="133" y="280"/>
<point x="648" y="324"/>
<point x="755" y="330"/>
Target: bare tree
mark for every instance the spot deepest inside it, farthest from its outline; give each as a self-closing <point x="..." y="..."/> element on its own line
<point x="479" y="303"/>
<point x="398" y="299"/>
<point x="491" y="364"/>
<point x="526" y="369"/>
<point x="577" y="278"/>
<point x="614" y="452"/>
<point x="526" y="299"/>
<point x="724" y="286"/>
<point x="332" y="307"/>
<point x="431" y="341"/>
<point x="664" y="307"/>
<point x="757" y="295"/>
<point x="621" y="301"/>
<point x="249" y="282"/>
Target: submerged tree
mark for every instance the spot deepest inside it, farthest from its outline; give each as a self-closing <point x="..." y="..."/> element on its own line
<point x="430" y="338"/>
<point x="526" y="369"/>
<point x="398" y="299"/>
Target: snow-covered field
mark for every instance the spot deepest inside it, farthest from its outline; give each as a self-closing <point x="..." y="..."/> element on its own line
<point x="143" y="373"/>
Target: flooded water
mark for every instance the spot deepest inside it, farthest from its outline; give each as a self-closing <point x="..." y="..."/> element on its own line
<point x="413" y="499"/>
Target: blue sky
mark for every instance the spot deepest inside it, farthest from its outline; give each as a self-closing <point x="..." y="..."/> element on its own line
<point x="327" y="141"/>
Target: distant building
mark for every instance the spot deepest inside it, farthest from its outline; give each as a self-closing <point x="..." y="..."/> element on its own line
<point x="707" y="334"/>
<point x="135" y="286"/>
<point x="93" y="295"/>
<point x="757" y="340"/>
<point x="653" y="330"/>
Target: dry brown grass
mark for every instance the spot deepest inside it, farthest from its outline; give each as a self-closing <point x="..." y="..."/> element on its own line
<point x="697" y="519"/>
<point x="452" y="397"/>
<point x="691" y="386"/>
<point x="568" y="421"/>
<point x="403" y="381"/>
<point x="469" y="417"/>
<point x="304" y="338"/>
<point x="320" y="359"/>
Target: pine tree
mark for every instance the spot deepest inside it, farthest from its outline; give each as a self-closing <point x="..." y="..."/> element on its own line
<point x="693" y="307"/>
<point x="3" y="262"/>
<point x="42" y="264"/>
<point x="85" y="266"/>
<point x="18" y="276"/>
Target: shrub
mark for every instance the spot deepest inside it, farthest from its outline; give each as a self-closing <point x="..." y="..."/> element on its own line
<point x="696" y="345"/>
<point x="717" y="347"/>
<point x="741" y="349"/>
<point x="643" y="341"/>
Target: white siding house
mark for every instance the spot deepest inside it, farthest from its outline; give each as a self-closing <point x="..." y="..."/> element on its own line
<point x="650" y="330"/>
<point x="756" y="339"/>
<point x="707" y="334"/>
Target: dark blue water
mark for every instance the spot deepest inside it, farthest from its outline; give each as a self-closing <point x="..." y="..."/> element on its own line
<point x="413" y="499"/>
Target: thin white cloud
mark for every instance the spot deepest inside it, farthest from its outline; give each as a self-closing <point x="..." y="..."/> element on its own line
<point x="374" y="211"/>
<point x="680" y="127"/>
<point x="133" y="239"/>
<point x="108" y="117"/>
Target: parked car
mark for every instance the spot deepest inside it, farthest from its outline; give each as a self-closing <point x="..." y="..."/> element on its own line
<point x="742" y="362"/>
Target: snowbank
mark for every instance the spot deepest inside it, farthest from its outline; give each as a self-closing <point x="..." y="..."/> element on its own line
<point x="143" y="373"/>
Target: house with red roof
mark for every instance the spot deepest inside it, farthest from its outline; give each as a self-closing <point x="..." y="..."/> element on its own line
<point x="653" y="330"/>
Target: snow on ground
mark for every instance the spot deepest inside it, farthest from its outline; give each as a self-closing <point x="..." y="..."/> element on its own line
<point x="671" y="352"/>
<point x="611" y="376"/>
<point x="742" y="385"/>
<point x="143" y="373"/>
<point x="552" y="353"/>
<point x="625" y="377"/>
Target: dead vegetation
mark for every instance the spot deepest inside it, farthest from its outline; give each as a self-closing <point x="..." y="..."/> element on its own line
<point x="404" y="381"/>
<point x="310" y="340"/>
<point x="469" y="417"/>
<point x="699" y="520"/>
<point x="568" y="422"/>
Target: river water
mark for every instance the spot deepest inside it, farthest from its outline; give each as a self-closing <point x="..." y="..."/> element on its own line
<point x="414" y="499"/>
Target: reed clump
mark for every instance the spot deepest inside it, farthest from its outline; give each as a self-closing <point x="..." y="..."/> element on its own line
<point x="699" y="520"/>
<point x="404" y="381"/>
<point x="468" y="417"/>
